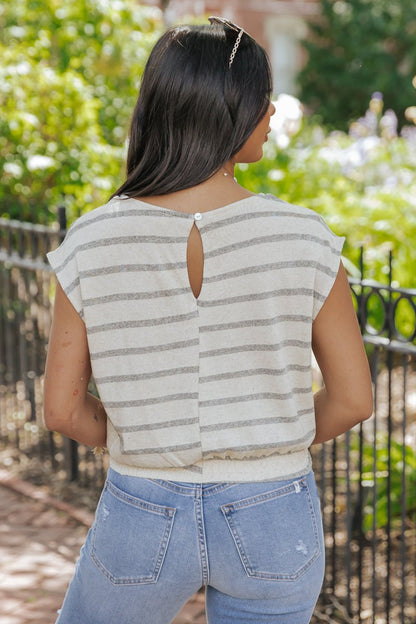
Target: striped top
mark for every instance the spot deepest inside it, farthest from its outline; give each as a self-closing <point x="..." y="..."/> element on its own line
<point x="216" y="388"/>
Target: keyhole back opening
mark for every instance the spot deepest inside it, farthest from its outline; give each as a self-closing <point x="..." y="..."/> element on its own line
<point x="195" y="260"/>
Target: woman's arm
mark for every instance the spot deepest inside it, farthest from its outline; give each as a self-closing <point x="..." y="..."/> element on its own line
<point x="68" y="407"/>
<point x="347" y="397"/>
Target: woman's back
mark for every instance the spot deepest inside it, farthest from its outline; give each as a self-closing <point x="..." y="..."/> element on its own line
<point x="209" y="195"/>
<point x="195" y="305"/>
<point x="195" y="385"/>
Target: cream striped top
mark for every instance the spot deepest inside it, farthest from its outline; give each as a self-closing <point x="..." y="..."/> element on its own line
<point x="210" y="389"/>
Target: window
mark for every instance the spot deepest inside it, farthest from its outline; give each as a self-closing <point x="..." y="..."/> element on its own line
<point x="286" y="55"/>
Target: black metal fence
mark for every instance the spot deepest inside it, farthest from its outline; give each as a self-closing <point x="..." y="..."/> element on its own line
<point x="367" y="477"/>
<point x="26" y="293"/>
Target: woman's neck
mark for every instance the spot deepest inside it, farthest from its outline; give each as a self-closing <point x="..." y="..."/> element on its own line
<point x="219" y="190"/>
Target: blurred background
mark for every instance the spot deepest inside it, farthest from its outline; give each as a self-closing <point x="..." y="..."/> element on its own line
<point x="344" y="133"/>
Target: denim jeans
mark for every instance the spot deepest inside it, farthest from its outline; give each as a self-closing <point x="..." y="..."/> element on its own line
<point x="257" y="547"/>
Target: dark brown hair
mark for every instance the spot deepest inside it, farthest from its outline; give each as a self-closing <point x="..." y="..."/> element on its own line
<point x="194" y="112"/>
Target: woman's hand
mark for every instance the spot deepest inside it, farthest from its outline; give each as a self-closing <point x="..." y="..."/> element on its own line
<point x="68" y="407"/>
<point x="347" y="397"/>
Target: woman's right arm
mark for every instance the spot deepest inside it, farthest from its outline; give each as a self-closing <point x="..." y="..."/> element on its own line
<point x="68" y="406"/>
<point x="346" y="398"/>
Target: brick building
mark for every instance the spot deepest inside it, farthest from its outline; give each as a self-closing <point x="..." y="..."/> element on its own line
<point x="279" y="25"/>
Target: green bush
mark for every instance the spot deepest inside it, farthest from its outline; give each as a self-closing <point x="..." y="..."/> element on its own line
<point x="355" y="48"/>
<point x="69" y="77"/>
<point x="364" y="187"/>
<point x="376" y="471"/>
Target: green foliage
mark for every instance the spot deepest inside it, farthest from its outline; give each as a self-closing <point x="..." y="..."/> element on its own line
<point x="364" y="188"/>
<point x="376" y="471"/>
<point x="357" y="48"/>
<point x="69" y="77"/>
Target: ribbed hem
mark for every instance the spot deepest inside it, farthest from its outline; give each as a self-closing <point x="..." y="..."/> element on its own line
<point x="274" y="468"/>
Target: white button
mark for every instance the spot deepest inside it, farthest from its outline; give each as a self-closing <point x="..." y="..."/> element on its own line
<point x="197" y="216"/>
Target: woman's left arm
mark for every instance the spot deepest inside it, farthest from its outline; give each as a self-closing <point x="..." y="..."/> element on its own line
<point x="68" y="407"/>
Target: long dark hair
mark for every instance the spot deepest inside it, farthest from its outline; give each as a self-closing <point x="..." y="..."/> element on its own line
<point x="194" y="112"/>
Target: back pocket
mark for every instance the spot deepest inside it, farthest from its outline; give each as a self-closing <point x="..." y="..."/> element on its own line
<point x="130" y="537"/>
<point x="275" y="533"/>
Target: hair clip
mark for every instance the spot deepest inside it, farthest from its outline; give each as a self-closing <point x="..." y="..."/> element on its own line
<point x="213" y="19"/>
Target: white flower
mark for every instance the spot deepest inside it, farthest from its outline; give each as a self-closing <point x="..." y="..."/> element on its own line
<point x="17" y="31"/>
<point x="276" y="175"/>
<point x="22" y="69"/>
<point x="40" y="162"/>
<point x="14" y="169"/>
<point x="287" y="120"/>
<point x="30" y="119"/>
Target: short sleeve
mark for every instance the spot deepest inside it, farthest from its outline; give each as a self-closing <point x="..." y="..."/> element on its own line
<point x="63" y="261"/>
<point x="327" y="265"/>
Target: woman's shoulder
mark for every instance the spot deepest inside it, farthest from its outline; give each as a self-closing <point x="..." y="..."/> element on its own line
<point x="286" y="209"/>
<point x="89" y="221"/>
<point x="303" y="220"/>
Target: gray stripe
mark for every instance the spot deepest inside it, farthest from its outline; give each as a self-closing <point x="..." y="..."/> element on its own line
<point x="142" y="376"/>
<point x="253" y="397"/>
<point x="290" y="264"/>
<point x="139" y="350"/>
<point x="125" y="212"/>
<point x="270" y="238"/>
<point x="135" y="296"/>
<point x="153" y="401"/>
<point x="254" y="458"/>
<point x="129" y="268"/>
<point x="207" y="379"/>
<point x="265" y="446"/>
<point x="72" y="286"/>
<point x="256" y="323"/>
<point x="259" y="215"/>
<point x="256" y="347"/>
<point x="303" y="412"/>
<point x="282" y="292"/>
<point x="143" y="323"/>
<point x="160" y="450"/>
<point x="249" y="423"/>
<point x="161" y="425"/>
<point x="254" y="371"/>
<point x="121" y="240"/>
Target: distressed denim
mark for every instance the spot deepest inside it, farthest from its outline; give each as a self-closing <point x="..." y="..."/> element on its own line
<point x="256" y="547"/>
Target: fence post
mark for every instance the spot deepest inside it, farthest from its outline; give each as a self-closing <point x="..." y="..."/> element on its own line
<point x="62" y="221"/>
<point x="72" y="445"/>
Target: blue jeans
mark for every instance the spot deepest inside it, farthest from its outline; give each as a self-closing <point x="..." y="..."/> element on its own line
<point x="257" y="547"/>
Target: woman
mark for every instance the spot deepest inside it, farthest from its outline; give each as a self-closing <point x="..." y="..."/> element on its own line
<point x="195" y="304"/>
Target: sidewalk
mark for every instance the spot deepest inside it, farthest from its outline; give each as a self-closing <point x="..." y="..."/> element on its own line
<point x="40" y="540"/>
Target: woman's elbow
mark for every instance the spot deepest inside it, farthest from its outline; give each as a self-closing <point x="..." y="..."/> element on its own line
<point x="360" y="407"/>
<point x="50" y="419"/>
<point x="54" y="418"/>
